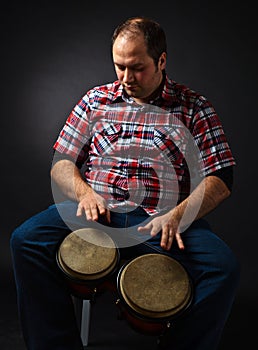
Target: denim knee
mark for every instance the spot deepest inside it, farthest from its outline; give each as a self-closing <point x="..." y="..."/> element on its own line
<point x="229" y="267"/>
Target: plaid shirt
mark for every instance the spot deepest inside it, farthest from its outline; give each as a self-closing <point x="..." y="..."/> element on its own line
<point x="149" y="155"/>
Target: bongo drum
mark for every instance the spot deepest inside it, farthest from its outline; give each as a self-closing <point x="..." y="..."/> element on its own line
<point x="154" y="289"/>
<point x="88" y="259"/>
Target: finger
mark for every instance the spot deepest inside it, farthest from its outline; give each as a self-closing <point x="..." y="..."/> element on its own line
<point x="164" y="238"/>
<point x="169" y="240"/>
<point x="93" y="214"/>
<point x="179" y="241"/>
<point x="145" y="228"/>
<point x="108" y="216"/>
<point x="79" y="211"/>
<point x="101" y="209"/>
<point x="154" y="231"/>
<point x="88" y="214"/>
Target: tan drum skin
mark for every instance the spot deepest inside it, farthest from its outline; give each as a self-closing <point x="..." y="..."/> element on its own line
<point x="88" y="258"/>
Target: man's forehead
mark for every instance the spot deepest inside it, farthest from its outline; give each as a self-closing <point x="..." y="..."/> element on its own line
<point x="133" y="52"/>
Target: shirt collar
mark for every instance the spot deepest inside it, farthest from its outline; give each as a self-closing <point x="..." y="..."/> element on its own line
<point x="167" y="96"/>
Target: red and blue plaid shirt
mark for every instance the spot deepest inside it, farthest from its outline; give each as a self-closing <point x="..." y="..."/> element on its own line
<point x="149" y="155"/>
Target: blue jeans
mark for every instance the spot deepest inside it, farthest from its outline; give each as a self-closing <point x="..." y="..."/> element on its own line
<point x="44" y="300"/>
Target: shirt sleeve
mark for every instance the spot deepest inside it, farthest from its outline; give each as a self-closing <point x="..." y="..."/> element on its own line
<point x="226" y="175"/>
<point x="210" y="138"/>
<point x="73" y="139"/>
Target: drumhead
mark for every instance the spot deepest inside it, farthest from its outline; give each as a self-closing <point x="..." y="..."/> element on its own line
<point x="87" y="254"/>
<point x="155" y="285"/>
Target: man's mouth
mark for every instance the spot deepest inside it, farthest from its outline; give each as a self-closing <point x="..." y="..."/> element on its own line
<point x="130" y="87"/>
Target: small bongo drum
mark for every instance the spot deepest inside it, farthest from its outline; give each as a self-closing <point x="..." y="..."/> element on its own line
<point x="88" y="258"/>
<point x="154" y="289"/>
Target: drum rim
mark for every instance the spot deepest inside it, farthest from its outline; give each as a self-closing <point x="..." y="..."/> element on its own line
<point x="79" y="277"/>
<point x="154" y="316"/>
<point x="83" y="277"/>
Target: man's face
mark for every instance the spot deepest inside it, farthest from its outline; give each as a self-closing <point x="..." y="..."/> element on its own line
<point x="135" y="69"/>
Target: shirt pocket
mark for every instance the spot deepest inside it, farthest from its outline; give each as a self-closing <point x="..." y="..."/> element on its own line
<point x="106" y="138"/>
<point x="171" y="145"/>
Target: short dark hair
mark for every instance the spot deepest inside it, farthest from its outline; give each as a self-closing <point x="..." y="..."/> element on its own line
<point x="154" y="35"/>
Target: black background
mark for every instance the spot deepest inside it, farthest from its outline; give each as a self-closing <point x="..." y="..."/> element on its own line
<point x="53" y="51"/>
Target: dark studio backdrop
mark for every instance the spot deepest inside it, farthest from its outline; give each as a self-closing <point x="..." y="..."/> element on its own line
<point x="53" y="51"/>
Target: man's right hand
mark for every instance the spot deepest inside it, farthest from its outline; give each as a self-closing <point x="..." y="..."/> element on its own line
<point x="68" y="177"/>
<point x="92" y="205"/>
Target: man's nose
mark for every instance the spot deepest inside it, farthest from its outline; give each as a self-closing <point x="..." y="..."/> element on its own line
<point x="128" y="76"/>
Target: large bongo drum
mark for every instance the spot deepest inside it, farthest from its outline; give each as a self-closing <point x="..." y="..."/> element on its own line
<point x="88" y="258"/>
<point x="154" y="290"/>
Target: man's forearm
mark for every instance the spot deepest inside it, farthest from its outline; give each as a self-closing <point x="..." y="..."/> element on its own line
<point x="205" y="198"/>
<point x="68" y="178"/>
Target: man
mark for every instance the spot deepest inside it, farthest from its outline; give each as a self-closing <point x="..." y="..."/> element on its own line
<point x="143" y="152"/>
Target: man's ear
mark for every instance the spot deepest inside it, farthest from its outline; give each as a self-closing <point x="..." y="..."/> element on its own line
<point x="162" y="60"/>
